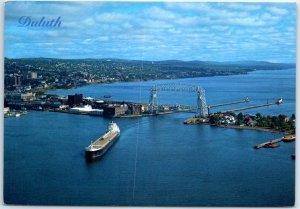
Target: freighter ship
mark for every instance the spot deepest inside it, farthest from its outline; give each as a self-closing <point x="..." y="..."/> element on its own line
<point x="98" y="147"/>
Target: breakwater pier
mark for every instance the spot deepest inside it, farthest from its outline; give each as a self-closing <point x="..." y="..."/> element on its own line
<point x="250" y="107"/>
<point x="269" y="144"/>
<point x="274" y="142"/>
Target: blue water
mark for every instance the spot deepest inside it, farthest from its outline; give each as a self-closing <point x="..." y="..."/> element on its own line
<point x="259" y="86"/>
<point x="157" y="160"/>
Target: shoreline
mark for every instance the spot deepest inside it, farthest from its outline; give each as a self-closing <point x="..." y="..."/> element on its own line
<point x="138" y="81"/>
<point x="159" y="79"/>
<point x="251" y="128"/>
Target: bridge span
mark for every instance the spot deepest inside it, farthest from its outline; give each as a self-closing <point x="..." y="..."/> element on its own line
<point x="201" y="109"/>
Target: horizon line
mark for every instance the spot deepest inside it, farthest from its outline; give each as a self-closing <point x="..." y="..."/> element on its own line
<point x="109" y="58"/>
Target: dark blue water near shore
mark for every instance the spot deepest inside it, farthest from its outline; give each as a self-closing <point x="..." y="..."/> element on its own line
<point x="157" y="160"/>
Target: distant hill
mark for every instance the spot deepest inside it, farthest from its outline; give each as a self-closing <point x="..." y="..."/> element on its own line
<point x="254" y="65"/>
<point x="134" y="70"/>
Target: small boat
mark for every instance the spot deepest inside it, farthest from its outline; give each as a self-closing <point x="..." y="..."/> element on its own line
<point x="271" y="145"/>
<point x="289" y="138"/>
<point x="279" y="101"/>
<point x="293" y="156"/>
<point x="24" y="112"/>
<point x="17" y="115"/>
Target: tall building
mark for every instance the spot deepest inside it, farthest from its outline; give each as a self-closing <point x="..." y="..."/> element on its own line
<point x="33" y="75"/>
<point x="13" y="80"/>
<point x="17" y="80"/>
<point x="75" y="99"/>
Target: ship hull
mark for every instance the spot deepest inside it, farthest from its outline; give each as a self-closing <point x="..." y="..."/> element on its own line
<point x="96" y="154"/>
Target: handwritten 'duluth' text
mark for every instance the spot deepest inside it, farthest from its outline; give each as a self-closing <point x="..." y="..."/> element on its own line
<point x="28" y="21"/>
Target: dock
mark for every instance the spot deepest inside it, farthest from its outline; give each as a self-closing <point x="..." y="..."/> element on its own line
<point x="258" y="146"/>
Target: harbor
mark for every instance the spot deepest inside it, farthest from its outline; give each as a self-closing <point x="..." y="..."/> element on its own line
<point x="164" y="147"/>
<point x="150" y="104"/>
<point x="156" y="151"/>
<point x="13" y="113"/>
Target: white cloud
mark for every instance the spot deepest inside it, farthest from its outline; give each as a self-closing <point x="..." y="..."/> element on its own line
<point x="221" y="13"/>
<point x="159" y="13"/>
<point x="53" y="33"/>
<point x="193" y="20"/>
<point x="243" y="6"/>
<point x="127" y="26"/>
<point x="205" y="14"/>
<point x="149" y="23"/>
<point x="88" y="22"/>
<point x="103" y="38"/>
<point x="174" y="31"/>
<point x="62" y="49"/>
<point x="247" y="21"/>
<point x="50" y="9"/>
<point x="112" y="17"/>
<point x="87" y="41"/>
<point x="270" y="19"/>
<point x="277" y="11"/>
<point x="268" y="30"/>
<point x="189" y="6"/>
<point x="46" y="44"/>
<point x="211" y="30"/>
<point x="219" y="27"/>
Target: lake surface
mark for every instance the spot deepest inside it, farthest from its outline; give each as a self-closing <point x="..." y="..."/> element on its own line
<point x="260" y="86"/>
<point x="158" y="161"/>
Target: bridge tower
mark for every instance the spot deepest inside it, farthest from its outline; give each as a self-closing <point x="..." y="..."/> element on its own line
<point x="202" y="110"/>
<point x="153" y="107"/>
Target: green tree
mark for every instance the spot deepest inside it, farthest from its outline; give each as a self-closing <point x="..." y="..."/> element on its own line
<point x="258" y="115"/>
<point x="214" y="119"/>
<point x="240" y="119"/>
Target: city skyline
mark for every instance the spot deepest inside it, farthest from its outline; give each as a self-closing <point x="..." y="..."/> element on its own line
<point x="153" y="31"/>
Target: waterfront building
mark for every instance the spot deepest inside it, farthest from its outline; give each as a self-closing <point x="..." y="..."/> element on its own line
<point x="75" y="99"/>
<point x="55" y="104"/>
<point x="6" y="110"/>
<point x="144" y="108"/>
<point x="18" y="96"/>
<point x="135" y="109"/>
<point x="115" y="111"/>
<point x="29" y="96"/>
<point x="164" y="108"/>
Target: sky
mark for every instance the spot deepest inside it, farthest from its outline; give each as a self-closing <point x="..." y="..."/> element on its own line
<point x="154" y="31"/>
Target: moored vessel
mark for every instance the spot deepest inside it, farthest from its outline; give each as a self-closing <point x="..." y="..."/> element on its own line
<point x="289" y="138"/>
<point x="98" y="147"/>
<point x="271" y="145"/>
<point x="293" y="156"/>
